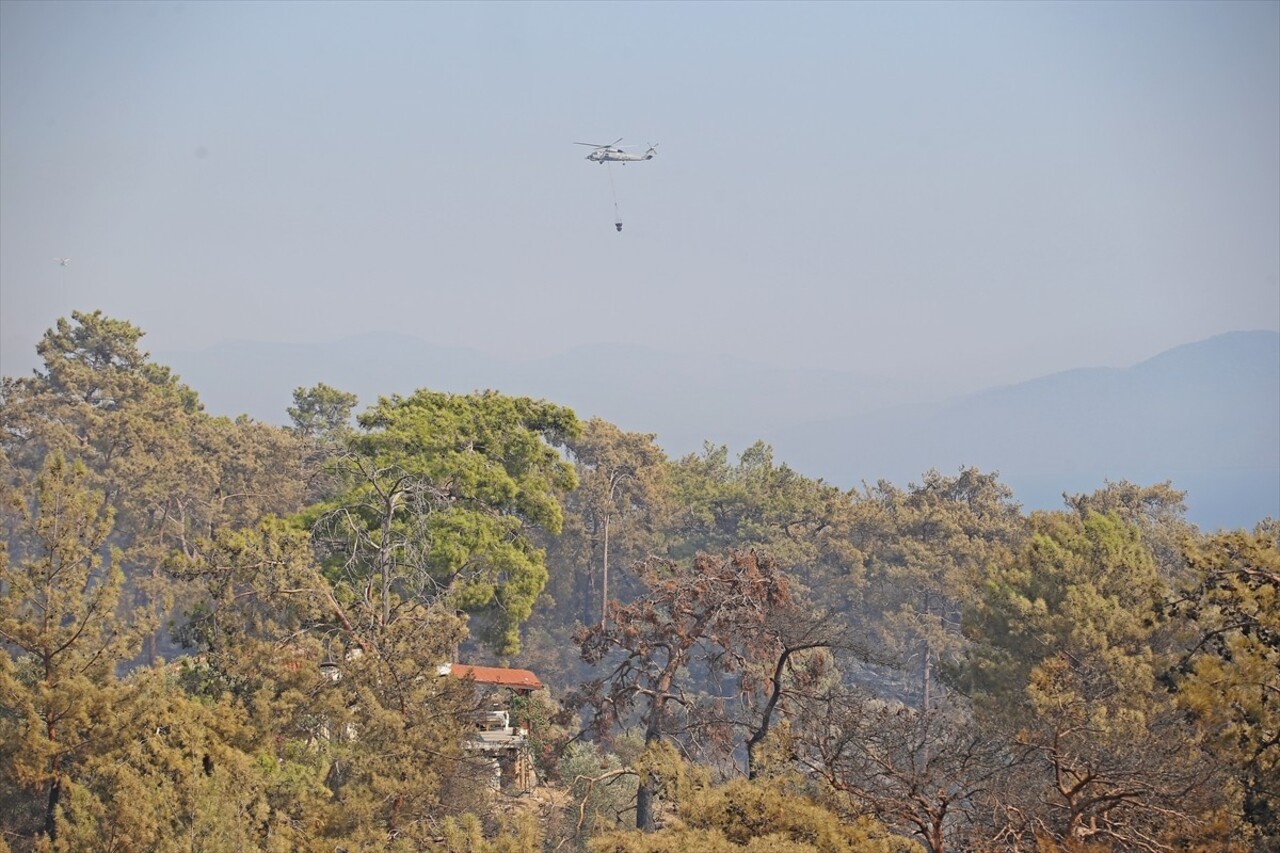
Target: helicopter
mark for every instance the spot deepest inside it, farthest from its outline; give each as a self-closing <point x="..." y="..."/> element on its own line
<point x="611" y="153"/>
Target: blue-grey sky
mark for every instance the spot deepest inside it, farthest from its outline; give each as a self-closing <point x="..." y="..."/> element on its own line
<point x="976" y="192"/>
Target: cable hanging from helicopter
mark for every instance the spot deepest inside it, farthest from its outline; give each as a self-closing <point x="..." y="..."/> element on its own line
<point x="609" y="154"/>
<point x="617" y="214"/>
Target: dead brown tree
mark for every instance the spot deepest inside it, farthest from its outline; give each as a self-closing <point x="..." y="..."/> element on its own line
<point x="688" y="616"/>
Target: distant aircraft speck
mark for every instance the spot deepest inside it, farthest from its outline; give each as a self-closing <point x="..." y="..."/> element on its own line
<point x="62" y="262"/>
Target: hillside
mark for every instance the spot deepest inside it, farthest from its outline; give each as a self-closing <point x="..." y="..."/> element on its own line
<point x="1204" y="415"/>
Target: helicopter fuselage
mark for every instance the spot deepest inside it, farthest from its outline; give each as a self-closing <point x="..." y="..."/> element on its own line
<point x="614" y="155"/>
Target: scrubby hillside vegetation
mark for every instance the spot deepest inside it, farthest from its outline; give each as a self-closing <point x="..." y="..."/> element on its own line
<point x="738" y="656"/>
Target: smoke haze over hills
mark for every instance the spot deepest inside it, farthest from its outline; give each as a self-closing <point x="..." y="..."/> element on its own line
<point x="1205" y="415"/>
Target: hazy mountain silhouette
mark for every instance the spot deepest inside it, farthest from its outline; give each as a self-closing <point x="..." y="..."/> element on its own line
<point x="684" y="400"/>
<point x="1204" y="415"/>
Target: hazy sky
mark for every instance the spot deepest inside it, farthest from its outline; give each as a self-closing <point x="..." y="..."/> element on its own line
<point x="986" y="192"/>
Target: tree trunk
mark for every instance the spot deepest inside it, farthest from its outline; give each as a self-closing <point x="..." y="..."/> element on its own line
<point x="766" y="718"/>
<point x="926" y="677"/>
<point x="51" y="809"/>
<point x="644" y="804"/>
<point x="604" y="597"/>
<point x="645" y="793"/>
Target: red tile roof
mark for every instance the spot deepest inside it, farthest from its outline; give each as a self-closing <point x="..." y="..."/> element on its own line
<point x="521" y="679"/>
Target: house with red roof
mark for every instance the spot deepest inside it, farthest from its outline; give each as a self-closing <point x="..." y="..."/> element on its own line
<point x="496" y="735"/>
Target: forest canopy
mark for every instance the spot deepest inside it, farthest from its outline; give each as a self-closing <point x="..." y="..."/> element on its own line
<point x="225" y="634"/>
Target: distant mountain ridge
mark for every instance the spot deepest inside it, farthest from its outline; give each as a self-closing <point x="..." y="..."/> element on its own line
<point x="1205" y="415"/>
